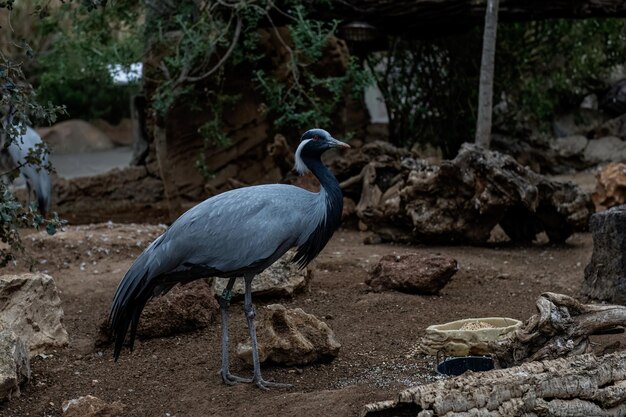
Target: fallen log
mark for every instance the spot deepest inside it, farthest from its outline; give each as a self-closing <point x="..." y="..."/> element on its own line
<point x="584" y="385"/>
<point x="561" y="328"/>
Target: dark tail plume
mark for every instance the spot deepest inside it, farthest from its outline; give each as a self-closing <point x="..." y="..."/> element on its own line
<point x="132" y="294"/>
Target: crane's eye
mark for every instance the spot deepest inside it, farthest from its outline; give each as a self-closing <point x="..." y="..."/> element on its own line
<point x="316" y="137"/>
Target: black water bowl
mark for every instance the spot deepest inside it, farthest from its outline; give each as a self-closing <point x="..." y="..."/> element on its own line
<point x="458" y="365"/>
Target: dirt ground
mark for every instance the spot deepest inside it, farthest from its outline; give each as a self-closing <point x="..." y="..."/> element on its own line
<point x="177" y="376"/>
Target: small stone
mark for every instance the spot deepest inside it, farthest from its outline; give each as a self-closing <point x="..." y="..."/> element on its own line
<point x="291" y="337"/>
<point x="412" y="273"/>
<point x="90" y="406"/>
<point x="610" y="186"/>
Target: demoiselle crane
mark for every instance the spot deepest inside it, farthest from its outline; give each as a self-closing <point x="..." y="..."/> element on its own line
<point x="36" y="176"/>
<point x="235" y="234"/>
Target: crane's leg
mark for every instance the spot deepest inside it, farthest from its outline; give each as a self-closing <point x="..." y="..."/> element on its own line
<point x="250" y="312"/>
<point x="224" y="302"/>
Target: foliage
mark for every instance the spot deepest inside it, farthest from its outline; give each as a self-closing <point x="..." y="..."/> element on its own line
<point x="545" y="67"/>
<point x="306" y="99"/>
<point x="210" y="46"/>
<point x="429" y="90"/>
<point x="74" y="69"/>
<point x="19" y="99"/>
<point x="542" y="68"/>
<point x="13" y="217"/>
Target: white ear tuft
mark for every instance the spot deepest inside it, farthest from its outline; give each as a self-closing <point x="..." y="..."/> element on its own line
<point x="300" y="166"/>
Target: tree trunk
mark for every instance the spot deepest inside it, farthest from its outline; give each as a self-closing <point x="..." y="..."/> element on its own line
<point x="583" y="385"/>
<point x="485" y="90"/>
<point x="605" y="275"/>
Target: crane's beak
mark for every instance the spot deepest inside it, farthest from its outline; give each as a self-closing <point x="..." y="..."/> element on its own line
<point x="338" y="144"/>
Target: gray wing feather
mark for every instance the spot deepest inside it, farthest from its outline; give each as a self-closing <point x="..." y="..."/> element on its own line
<point x="235" y="229"/>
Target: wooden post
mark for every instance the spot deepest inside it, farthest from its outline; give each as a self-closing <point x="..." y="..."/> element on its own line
<point x="485" y="91"/>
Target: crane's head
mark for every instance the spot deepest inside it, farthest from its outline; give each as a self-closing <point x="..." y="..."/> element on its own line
<point x="313" y="144"/>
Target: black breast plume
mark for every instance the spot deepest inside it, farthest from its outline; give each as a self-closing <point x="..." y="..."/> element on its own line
<point x="334" y="207"/>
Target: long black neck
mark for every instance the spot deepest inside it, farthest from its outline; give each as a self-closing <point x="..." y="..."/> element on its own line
<point x="333" y="206"/>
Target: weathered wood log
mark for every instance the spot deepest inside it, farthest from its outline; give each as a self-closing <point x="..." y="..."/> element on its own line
<point x="605" y="275"/>
<point x="561" y="328"/>
<point x="583" y="386"/>
<point x="460" y="201"/>
<point x="425" y="18"/>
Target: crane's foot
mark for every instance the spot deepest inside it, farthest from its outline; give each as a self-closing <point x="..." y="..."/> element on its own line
<point x="231" y="379"/>
<point x="266" y="385"/>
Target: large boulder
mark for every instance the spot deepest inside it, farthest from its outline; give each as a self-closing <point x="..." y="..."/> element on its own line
<point x="291" y="337"/>
<point x="14" y="365"/>
<point x="281" y="279"/>
<point x="120" y="134"/>
<point x="75" y="136"/>
<point x="184" y="308"/>
<point x="413" y="273"/>
<point x="31" y="307"/>
<point x="462" y="200"/>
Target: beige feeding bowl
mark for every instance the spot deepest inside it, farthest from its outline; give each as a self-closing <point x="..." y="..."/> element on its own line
<point x="467" y="336"/>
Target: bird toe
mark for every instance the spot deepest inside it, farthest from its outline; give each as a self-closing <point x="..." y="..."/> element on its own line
<point x="266" y="385"/>
<point x="231" y="379"/>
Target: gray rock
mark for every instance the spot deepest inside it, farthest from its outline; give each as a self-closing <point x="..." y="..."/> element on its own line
<point x="185" y="308"/>
<point x="607" y="149"/>
<point x="580" y="122"/>
<point x="605" y="275"/>
<point x="570" y="145"/>
<point x="14" y="365"/>
<point x="282" y="279"/>
<point x="413" y="273"/>
<point x="120" y="134"/>
<point x="31" y="307"/>
<point x="90" y="406"/>
<point x="75" y="136"/>
<point x="291" y="337"/>
<point x="613" y="127"/>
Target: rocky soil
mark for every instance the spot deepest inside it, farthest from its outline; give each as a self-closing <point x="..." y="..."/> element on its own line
<point x="378" y="331"/>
